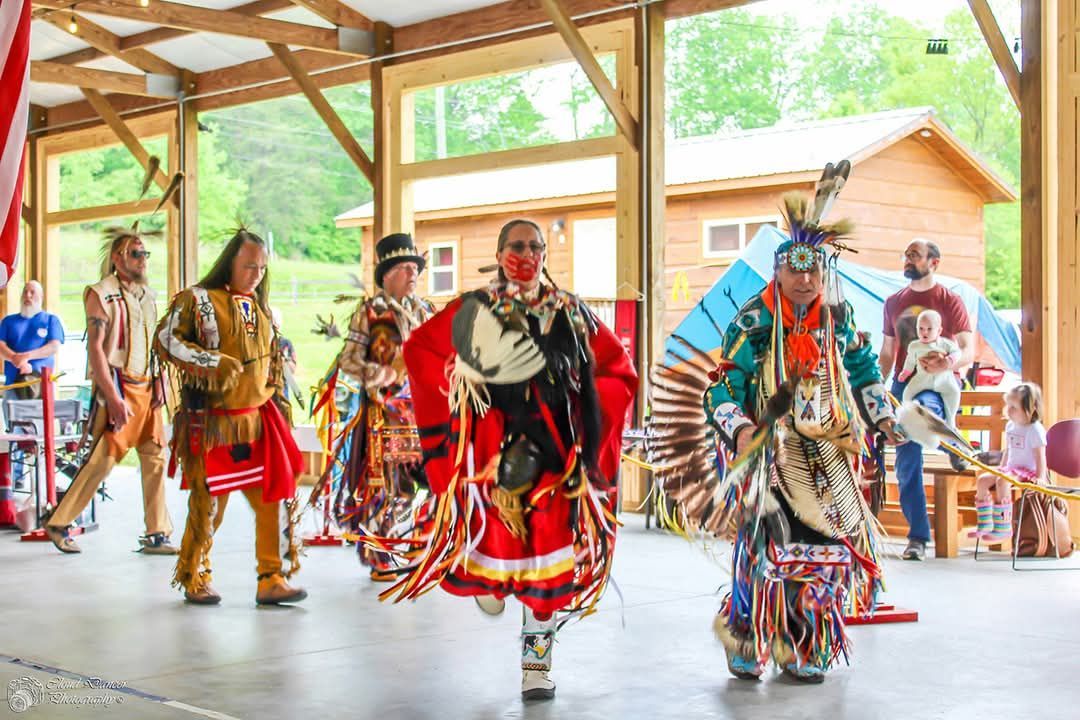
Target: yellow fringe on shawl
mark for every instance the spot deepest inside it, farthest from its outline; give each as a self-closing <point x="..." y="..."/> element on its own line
<point x="446" y="545"/>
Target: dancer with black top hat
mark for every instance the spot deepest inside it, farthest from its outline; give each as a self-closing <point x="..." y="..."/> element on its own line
<point x="366" y="409"/>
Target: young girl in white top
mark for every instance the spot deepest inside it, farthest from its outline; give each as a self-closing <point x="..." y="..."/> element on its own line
<point x="1024" y="458"/>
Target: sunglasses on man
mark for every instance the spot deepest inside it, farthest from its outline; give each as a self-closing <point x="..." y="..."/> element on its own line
<point x="139" y="254"/>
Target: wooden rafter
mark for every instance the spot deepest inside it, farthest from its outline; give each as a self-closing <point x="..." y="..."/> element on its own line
<point x="516" y="157"/>
<point x="267" y="80"/>
<point x="161" y="34"/>
<point x="337" y="13"/>
<point x="109" y="43"/>
<point x="123" y="132"/>
<point x="199" y="19"/>
<point x="587" y="60"/>
<point x="259" y="7"/>
<point x="999" y="48"/>
<point x="101" y="212"/>
<point x="79" y="56"/>
<point x="326" y="112"/>
<point x="128" y="83"/>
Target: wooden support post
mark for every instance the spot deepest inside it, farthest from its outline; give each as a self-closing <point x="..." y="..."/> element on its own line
<point x="122" y="131"/>
<point x="1037" y="168"/>
<point x="629" y="230"/>
<point x="188" y="153"/>
<point x="43" y="258"/>
<point x="624" y="116"/>
<point x="651" y="38"/>
<point x="946" y="516"/>
<point x="384" y="44"/>
<point x="325" y="111"/>
<point x="397" y="146"/>
<point x="173" y="253"/>
<point x="1063" y="261"/>
<point x="999" y="48"/>
<point x="403" y="150"/>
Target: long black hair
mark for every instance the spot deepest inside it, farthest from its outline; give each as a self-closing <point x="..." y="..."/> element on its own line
<point x="220" y="272"/>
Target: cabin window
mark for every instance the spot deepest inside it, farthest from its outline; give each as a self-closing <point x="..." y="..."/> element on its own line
<point x="442" y="268"/>
<point x="726" y="238"/>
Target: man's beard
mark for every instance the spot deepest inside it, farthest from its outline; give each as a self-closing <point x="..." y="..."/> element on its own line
<point x="912" y="273"/>
<point x="135" y="277"/>
<point x="29" y="311"/>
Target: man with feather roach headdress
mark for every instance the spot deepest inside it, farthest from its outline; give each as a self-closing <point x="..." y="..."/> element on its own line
<point x="521" y="397"/>
<point x="126" y="413"/>
<point x="365" y="408"/>
<point x="793" y="404"/>
<point x="231" y="424"/>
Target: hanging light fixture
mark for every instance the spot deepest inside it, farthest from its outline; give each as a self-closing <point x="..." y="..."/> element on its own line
<point x="73" y="25"/>
<point x="144" y="3"/>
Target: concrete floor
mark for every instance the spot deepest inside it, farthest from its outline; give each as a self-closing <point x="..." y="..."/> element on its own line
<point x="990" y="643"/>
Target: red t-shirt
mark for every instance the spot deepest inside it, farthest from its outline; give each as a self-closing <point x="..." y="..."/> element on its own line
<point x="903" y="308"/>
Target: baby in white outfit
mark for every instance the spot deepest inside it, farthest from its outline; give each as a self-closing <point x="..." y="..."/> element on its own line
<point x="917" y="379"/>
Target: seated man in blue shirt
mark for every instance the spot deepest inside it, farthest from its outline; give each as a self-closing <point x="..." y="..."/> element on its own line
<point x="29" y="340"/>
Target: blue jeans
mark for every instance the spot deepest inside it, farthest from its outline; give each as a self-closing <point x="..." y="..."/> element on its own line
<point x="909" y="470"/>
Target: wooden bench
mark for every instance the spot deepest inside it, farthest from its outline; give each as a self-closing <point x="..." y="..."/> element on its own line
<point x="950" y="495"/>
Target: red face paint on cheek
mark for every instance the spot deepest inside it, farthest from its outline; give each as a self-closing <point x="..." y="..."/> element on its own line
<point x="520" y="268"/>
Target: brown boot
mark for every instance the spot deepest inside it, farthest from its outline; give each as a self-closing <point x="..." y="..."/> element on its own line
<point x="273" y="590"/>
<point x="206" y="596"/>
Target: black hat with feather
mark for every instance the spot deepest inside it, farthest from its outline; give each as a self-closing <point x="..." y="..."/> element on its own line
<point x="394" y="249"/>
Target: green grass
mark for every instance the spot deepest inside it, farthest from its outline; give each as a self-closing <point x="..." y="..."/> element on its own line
<point x="300" y="289"/>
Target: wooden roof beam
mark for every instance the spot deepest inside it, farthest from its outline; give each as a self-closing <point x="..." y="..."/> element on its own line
<point x="109" y="43"/>
<point x="161" y="34"/>
<point x="337" y="13"/>
<point x="587" y="60"/>
<point x="325" y="110"/>
<point x="999" y="48"/>
<point x="482" y="26"/>
<point x="149" y="37"/>
<point x="149" y="85"/>
<point x="344" y="40"/>
<point x="79" y="56"/>
<point x="124" y="133"/>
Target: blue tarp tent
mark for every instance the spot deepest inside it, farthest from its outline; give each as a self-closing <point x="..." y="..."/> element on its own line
<point x="866" y="289"/>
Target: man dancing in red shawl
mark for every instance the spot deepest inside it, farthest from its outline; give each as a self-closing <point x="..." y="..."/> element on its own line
<point x="521" y="397"/>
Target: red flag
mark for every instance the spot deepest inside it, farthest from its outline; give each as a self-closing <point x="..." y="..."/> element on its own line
<point x="14" y="112"/>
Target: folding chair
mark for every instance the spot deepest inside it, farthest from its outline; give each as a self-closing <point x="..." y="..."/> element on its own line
<point x="25" y="434"/>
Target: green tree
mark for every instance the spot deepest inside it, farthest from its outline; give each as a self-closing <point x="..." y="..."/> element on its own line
<point x="854" y="61"/>
<point x="222" y="189"/>
<point x="727" y="70"/>
<point x="483" y="115"/>
<point x="972" y="99"/>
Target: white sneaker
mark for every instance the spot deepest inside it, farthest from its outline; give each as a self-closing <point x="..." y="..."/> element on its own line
<point x="490" y="604"/>
<point x="536" y="685"/>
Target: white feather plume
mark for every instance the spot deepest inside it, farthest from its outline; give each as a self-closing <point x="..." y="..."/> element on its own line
<point x="489" y="351"/>
<point x="922" y="426"/>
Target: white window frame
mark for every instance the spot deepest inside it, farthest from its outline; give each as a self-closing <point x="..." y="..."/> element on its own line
<point x="432" y="249"/>
<point x="742" y="222"/>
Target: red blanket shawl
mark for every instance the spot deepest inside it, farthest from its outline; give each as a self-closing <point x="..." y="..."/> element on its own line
<point x="273" y="461"/>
